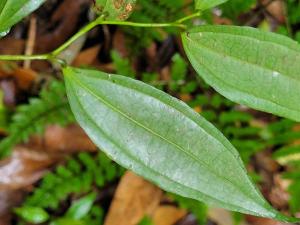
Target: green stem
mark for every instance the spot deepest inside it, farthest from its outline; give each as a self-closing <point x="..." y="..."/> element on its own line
<point x="80" y="33"/>
<point x="24" y="57"/>
<point x="134" y="24"/>
<point x="197" y="14"/>
<point x="52" y="56"/>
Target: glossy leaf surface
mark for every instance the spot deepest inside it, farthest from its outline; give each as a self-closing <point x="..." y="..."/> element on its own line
<point x="251" y="67"/>
<point x="162" y="139"/>
<point x="34" y="215"/>
<point x="81" y="207"/>
<point x="115" y="9"/>
<point x="12" y="11"/>
<point x="207" y="4"/>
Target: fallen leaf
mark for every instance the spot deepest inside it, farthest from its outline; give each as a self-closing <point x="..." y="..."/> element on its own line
<point x="263" y="221"/>
<point x="119" y="43"/>
<point x="185" y="97"/>
<point x="68" y="139"/>
<point x="24" y="78"/>
<point x="11" y="46"/>
<point x="87" y="57"/>
<point x="134" y="198"/>
<point x="167" y="215"/>
<point x="65" y="20"/>
<point x="24" y="167"/>
<point x="276" y="9"/>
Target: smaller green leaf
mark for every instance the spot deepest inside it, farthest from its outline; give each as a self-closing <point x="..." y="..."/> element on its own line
<point x="288" y="154"/>
<point x="81" y="207"/>
<point x="115" y="9"/>
<point x="207" y="4"/>
<point x="67" y="221"/>
<point x="33" y="215"/>
<point x="12" y="11"/>
<point x="248" y="66"/>
<point x="146" y="221"/>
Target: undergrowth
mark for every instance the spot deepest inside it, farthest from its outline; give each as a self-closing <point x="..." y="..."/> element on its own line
<point x="81" y="175"/>
<point x="51" y="107"/>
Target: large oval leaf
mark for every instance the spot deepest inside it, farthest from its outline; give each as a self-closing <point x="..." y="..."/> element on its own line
<point x="248" y="66"/>
<point x="162" y="139"/>
<point x="12" y="11"/>
<point x="206" y="4"/>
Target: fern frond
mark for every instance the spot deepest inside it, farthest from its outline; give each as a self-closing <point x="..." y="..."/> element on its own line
<point x="82" y="173"/>
<point x="50" y="108"/>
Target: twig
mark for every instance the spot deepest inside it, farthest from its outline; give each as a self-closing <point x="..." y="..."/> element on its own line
<point x="30" y="41"/>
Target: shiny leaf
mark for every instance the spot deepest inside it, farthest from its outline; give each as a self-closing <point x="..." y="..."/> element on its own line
<point x="33" y="215"/>
<point x="68" y="221"/>
<point x="163" y="140"/>
<point x="251" y="67"/>
<point x="12" y="11"/>
<point x="81" y="207"/>
<point x="207" y="4"/>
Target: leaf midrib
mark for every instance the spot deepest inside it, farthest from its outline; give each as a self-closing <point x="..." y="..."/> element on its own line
<point x="240" y="90"/>
<point x="224" y="32"/>
<point x="237" y="207"/>
<point x="247" y="62"/>
<point x="168" y="141"/>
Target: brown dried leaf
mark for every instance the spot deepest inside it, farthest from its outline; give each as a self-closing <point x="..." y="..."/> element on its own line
<point x="23" y="168"/>
<point x="68" y="139"/>
<point x="167" y="215"/>
<point x="278" y="195"/>
<point x="65" y="20"/>
<point x="276" y="9"/>
<point x="119" y="43"/>
<point x="87" y="57"/>
<point x="134" y="198"/>
<point x="263" y="221"/>
<point x="24" y="78"/>
<point x="11" y="46"/>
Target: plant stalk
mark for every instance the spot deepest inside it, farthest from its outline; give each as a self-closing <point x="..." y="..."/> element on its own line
<point x="53" y="56"/>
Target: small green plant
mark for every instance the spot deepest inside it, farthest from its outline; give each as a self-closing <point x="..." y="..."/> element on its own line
<point x="163" y="139"/>
<point x="50" y="108"/>
<point x="84" y="173"/>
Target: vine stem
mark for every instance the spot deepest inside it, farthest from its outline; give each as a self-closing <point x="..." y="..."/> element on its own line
<point x="180" y="21"/>
<point x="53" y="56"/>
<point x="134" y="24"/>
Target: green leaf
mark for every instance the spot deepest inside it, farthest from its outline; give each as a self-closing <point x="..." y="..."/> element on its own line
<point x="146" y="221"/>
<point x="81" y="207"/>
<point x="163" y="140"/>
<point x="12" y="11"/>
<point x="50" y="108"/>
<point x="207" y="4"/>
<point x="287" y="154"/>
<point x="115" y="9"/>
<point x="68" y="221"/>
<point x="33" y="215"/>
<point x="251" y="67"/>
